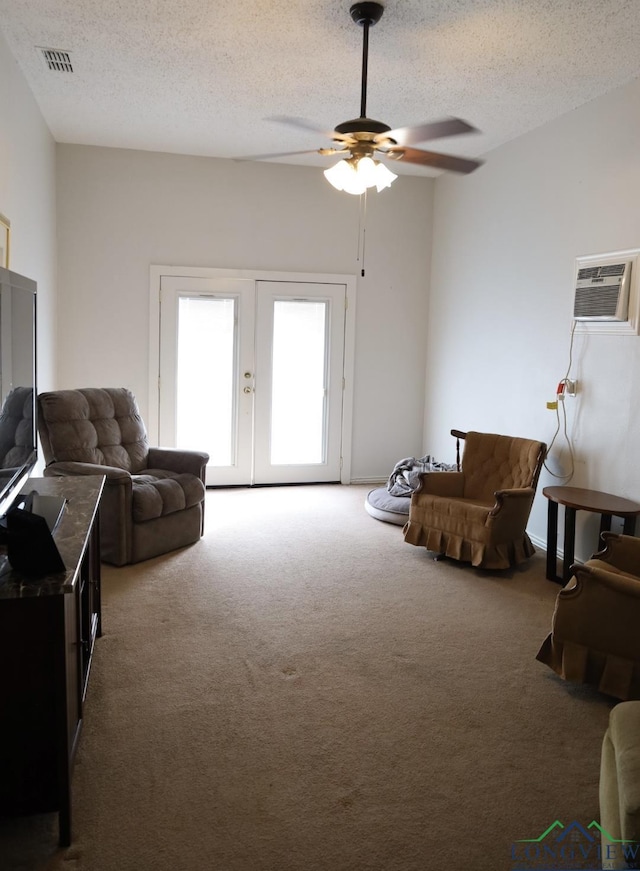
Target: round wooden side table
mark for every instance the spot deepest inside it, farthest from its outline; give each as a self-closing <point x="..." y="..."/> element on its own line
<point x="577" y="499"/>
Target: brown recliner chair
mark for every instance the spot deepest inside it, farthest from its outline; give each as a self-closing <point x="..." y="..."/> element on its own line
<point x="153" y="501"/>
<point x="16" y="429"/>
<point x="594" y="636"/>
<point x="479" y="514"/>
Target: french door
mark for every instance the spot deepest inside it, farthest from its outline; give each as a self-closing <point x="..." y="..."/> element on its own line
<point x="252" y="372"/>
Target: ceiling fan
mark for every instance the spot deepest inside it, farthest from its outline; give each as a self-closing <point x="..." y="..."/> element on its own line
<point x="363" y="139"/>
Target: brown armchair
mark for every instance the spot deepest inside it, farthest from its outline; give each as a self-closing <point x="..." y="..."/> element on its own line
<point x="153" y="500"/>
<point x="479" y="514"/>
<point x="594" y="636"/>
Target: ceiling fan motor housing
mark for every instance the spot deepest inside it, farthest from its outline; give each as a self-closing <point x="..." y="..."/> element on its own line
<point x="366" y="13"/>
<point x="363" y="125"/>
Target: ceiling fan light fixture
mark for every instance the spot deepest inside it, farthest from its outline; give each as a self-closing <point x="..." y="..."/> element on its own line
<point x="341" y="175"/>
<point x="384" y="177"/>
<point x="355" y="175"/>
<point x="366" y="171"/>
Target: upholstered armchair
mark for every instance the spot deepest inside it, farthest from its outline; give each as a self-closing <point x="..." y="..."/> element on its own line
<point x="594" y="636"/>
<point x="480" y="513"/>
<point x="16" y="429"/>
<point x="153" y="500"/>
<point x="619" y="788"/>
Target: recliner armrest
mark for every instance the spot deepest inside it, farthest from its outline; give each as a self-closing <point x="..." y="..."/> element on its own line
<point x="112" y="473"/>
<point x="178" y="460"/>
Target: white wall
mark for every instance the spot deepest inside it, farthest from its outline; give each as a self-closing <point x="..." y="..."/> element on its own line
<point x="27" y="198"/>
<point x="121" y="211"/>
<point x="504" y="245"/>
<point x="505" y="241"/>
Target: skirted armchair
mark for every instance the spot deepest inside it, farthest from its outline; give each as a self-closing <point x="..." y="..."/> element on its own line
<point x="620" y="788"/>
<point x="479" y="514"/>
<point x="153" y="499"/>
<point x="594" y="636"/>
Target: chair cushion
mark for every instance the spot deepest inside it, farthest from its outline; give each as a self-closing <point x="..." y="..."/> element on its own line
<point x="158" y="492"/>
<point x="464" y="517"/>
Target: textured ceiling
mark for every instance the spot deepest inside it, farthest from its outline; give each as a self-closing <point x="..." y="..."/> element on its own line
<point x="203" y="78"/>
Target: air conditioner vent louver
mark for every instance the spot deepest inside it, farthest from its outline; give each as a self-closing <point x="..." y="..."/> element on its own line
<point x="614" y="269"/>
<point x="601" y="271"/>
<point x="588" y="272"/>
<point x="602" y="292"/>
<point x="597" y="302"/>
<point x="57" y="60"/>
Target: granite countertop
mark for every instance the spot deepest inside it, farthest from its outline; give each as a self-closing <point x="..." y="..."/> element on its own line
<point x="82" y="493"/>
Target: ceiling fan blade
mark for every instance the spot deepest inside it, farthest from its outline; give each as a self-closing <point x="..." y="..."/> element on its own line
<point x="280" y="154"/>
<point x="303" y="124"/>
<point x="438" y="161"/>
<point x="429" y="130"/>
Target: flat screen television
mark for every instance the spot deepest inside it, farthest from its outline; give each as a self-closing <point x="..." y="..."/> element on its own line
<point x="18" y="389"/>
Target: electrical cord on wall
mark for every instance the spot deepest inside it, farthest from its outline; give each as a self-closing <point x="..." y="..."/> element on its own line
<point x="560" y="400"/>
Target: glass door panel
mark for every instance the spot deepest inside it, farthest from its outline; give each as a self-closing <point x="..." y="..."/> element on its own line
<point x="206" y="372"/>
<point x="298" y="382"/>
<point x="207" y="377"/>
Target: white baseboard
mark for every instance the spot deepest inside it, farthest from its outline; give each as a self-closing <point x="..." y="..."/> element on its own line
<point x="541" y="543"/>
<point x="375" y="481"/>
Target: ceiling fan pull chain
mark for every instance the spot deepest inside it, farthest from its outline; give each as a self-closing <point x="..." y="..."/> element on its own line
<point x="358" y="241"/>
<point x="362" y="230"/>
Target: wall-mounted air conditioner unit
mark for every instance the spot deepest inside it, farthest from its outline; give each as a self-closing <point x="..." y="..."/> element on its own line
<point x="602" y="290"/>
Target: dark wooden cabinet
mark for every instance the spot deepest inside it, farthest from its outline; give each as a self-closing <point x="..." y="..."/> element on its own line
<point x="48" y="629"/>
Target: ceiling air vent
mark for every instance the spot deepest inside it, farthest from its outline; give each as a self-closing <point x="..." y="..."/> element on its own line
<point x="57" y="61"/>
<point x="602" y="292"/>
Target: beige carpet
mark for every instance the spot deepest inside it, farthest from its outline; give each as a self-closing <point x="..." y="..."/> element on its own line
<point x="302" y="691"/>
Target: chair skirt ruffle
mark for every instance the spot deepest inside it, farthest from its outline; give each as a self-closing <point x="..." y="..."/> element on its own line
<point x="481" y="554"/>
<point x="613" y="675"/>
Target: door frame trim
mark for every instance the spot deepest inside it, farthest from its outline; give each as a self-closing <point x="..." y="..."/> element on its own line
<point x="155" y="277"/>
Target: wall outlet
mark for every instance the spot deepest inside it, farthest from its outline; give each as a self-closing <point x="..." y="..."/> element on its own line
<point x="571" y="387"/>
